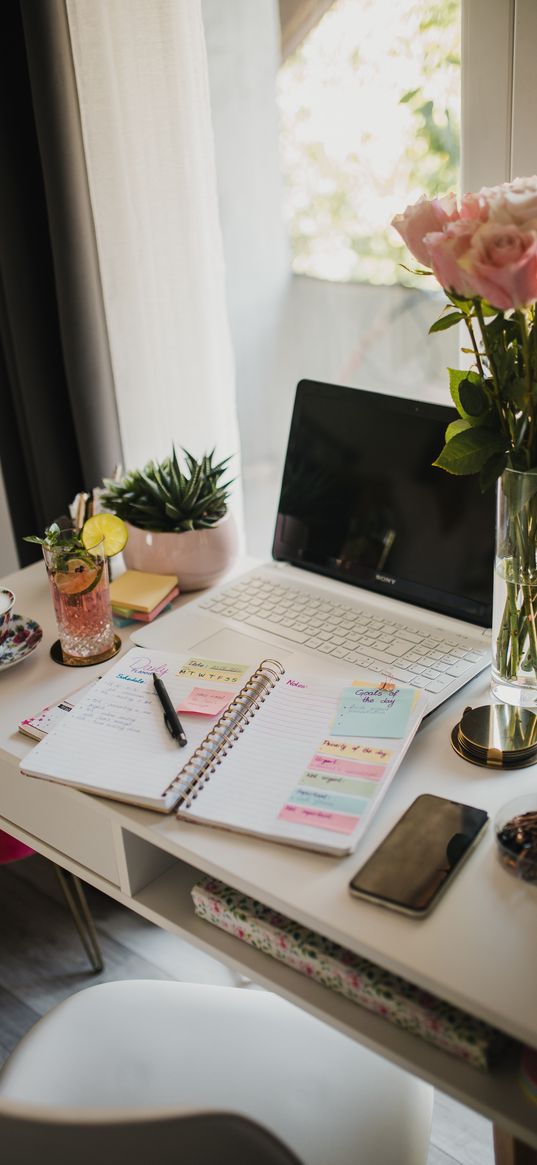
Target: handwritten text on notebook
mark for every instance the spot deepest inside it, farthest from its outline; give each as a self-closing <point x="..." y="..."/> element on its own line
<point x="214" y="670"/>
<point x="373" y="712"/>
<point x="205" y="701"/>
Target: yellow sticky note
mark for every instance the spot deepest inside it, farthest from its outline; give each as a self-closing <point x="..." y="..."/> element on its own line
<point x="213" y="670"/>
<point x="140" y="590"/>
<point x="357" y="752"/>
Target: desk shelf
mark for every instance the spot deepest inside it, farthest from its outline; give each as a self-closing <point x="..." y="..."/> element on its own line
<point x="157" y="885"/>
<point x="167" y="902"/>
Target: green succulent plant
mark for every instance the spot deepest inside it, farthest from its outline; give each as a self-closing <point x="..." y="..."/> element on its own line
<point x="160" y="497"/>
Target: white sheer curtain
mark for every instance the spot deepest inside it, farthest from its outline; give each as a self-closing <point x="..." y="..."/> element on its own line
<point x="143" y="91"/>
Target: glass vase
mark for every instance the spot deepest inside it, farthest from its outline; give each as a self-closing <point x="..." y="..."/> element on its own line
<point x="514" y="631"/>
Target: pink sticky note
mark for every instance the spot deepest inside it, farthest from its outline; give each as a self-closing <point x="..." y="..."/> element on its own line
<point x="320" y="818"/>
<point x="205" y="701"/>
<point x="346" y="768"/>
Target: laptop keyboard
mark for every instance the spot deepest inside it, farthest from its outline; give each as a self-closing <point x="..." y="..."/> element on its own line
<point x="406" y="651"/>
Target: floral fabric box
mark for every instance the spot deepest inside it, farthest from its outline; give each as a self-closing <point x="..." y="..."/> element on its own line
<point x="357" y="979"/>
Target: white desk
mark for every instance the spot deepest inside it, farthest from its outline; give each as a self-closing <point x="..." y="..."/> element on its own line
<point x="478" y="949"/>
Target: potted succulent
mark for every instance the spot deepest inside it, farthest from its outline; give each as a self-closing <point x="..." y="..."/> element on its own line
<point x="178" y="522"/>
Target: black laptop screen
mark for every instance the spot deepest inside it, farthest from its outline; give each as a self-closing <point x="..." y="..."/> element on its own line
<point x="361" y="502"/>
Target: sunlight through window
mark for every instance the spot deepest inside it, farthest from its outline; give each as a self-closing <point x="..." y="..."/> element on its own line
<point x="370" y="119"/>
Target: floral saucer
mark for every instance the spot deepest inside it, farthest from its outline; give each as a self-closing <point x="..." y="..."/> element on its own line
<point x="23" y="635"/>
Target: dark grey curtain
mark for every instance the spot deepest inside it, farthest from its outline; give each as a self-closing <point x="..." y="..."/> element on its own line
<point x="59" y="430"/>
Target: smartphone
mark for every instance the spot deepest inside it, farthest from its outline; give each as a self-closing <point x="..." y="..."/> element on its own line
<point x="420" y="856"/>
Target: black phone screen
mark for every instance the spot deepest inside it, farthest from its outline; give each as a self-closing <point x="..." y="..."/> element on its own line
<point x="420" y="854"/>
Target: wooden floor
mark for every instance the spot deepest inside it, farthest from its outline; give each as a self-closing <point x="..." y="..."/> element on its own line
<point x="42" y="961"/>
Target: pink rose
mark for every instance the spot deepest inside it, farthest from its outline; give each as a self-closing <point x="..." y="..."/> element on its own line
<point x="475" y="206"/>
<point x="513" y="203"/>
<point x="447" y="249"/>
<point x="420" y="219"/>
<point x="502" y="264"/>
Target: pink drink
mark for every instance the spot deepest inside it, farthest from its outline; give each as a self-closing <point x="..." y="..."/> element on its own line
<point x="80" y="592"/>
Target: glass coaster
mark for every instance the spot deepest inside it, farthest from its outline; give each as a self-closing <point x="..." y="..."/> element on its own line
<point x="498" y="736"/>
<point x="57" y="655"/>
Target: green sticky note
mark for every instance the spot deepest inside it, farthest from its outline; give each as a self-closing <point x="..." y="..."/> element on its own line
<point x="374" y="712"/>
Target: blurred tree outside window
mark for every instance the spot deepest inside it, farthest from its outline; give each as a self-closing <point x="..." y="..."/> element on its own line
<point x="370" y="120"/>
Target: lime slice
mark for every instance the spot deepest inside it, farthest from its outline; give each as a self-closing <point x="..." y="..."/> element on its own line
<point x="108" y="527"/>
<point x="77" y="577"/>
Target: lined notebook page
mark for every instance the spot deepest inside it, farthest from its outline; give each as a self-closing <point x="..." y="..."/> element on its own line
<point x="262" y="770"/>
<point x="115" y="742"/>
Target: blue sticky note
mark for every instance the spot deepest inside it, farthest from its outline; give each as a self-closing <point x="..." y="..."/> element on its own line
<point x="335" y="802"/>
<point x="373" y="712"/>
<point x="122" y="621"/>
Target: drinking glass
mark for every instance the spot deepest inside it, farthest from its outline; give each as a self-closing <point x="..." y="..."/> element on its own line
<point x="79" y="585"/>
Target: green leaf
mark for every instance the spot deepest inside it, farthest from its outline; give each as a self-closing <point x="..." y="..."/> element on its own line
<point x="162" y="478"/>
<point x="455" y="377"/>
<point x="51" y="537"/>
<point x="416" y="270"/>
<point x="161" y="497"/>
<point x="516" y="391"/>
<point x="468" y="451"/>
<point x="458" y="377"/>
<point x="464" y="305"/>
<point x="445" y="322"/>
<point x="151" y="486"/>
<point x="408" y="96"/>
<point x="458" y="426"/>
<point x="491" y="471"/>
<point x="500" y="326"/>
<point x="473" y="400"/>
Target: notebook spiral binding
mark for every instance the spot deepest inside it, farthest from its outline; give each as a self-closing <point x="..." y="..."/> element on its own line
<point x="227" y="729"/>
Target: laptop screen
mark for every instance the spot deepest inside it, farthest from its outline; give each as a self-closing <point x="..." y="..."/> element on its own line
<point x="360" y="502"/>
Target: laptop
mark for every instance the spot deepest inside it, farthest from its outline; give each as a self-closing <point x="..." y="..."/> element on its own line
<point x="380" y="562"/>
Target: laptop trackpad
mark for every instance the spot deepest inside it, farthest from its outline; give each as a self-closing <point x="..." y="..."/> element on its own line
<point x="235" y="647"/>
<point x="194" y="631"/>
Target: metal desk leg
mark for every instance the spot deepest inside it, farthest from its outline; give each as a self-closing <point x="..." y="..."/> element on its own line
<point x="76" y="900"/>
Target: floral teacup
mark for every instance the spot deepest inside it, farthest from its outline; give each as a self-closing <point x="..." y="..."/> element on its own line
<point x="7" y="600"/>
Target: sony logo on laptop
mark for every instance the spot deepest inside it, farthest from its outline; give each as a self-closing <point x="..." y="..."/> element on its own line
<point x="385" y="578"/>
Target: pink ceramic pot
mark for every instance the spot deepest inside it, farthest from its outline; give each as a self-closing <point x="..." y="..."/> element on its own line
<point x="199" y="558"/>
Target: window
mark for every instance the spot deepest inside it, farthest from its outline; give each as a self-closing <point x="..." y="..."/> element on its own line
<point x="361" y="320"/>
<point x="370" y="119"/>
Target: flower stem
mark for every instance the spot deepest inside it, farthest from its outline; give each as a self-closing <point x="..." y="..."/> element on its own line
<point x="477" y="353"/>
<point x="516" y="638"/>
<point x="497" y="394"/>
<point x="530" y="412"/>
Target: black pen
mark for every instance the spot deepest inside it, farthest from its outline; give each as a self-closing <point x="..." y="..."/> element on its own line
<point x="171" y="719"/>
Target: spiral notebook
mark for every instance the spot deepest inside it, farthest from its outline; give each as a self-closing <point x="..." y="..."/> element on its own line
<point x="293" y="758"/>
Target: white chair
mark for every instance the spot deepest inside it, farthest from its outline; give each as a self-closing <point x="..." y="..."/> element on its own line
<point x="121" y="1063"/>
<point x="198" y="1138"/>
